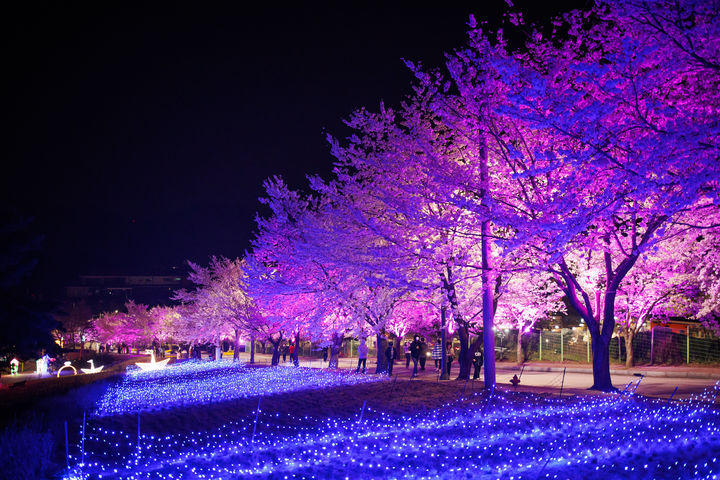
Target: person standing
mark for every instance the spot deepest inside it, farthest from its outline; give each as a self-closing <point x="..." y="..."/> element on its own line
<point x="477" y="363"/>
<point x="437" y="355"/>
<point x="325" y="353"/>
<point x="415" y="354"/>
<point x="291" y="350"/>
<point x="390" y="356"/>
<point x="407" y="354"/>
<point x="449" y="356"/>
<point x="423" y="353"/>
<point x="362" y="356"/>
<point x="284" y="351"/>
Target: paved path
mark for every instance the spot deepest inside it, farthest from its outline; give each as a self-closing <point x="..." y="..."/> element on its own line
<point x="548" y="378"/>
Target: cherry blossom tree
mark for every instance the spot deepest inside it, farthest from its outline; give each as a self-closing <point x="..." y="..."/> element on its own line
<point x="695" y="275"/>
<point x="108" y="327"/>
<point x="626" y="111"/>
<point x="76" y="321"/>
<point x="307" y="254"/>
<point x="221" y="303"/>
<point x="523" y="299"/>
<point x="425" y="241"/>
<point x="658" y="285"/>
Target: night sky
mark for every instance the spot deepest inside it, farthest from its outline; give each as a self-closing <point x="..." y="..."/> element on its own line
<point x="140" y="134"/>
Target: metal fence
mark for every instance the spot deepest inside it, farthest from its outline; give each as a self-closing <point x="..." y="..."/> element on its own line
<point x="661" y="346"/>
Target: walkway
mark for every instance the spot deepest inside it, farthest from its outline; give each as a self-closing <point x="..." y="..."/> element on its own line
<point x="657" y="381"/>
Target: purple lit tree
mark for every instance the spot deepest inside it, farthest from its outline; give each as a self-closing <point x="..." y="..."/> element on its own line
<point x="621" y="112"/>
<point x="523" y="299"/>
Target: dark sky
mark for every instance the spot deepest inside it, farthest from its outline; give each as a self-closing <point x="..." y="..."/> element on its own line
<point x="140" y="134"/>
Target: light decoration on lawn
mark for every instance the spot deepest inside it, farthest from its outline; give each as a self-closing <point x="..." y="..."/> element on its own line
<point x="93" y="368"/>
<point x="152" y="364"/>
<point x="194" y="383"/>
<point x="508" y="436"/>
<point x="67" y="365"/>
<point x="14" y="364"/>
<point x="42" y="364"/>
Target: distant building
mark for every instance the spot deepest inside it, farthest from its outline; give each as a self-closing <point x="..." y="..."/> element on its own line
<point x="682" y="326"/>
<point x="104" y="293"/>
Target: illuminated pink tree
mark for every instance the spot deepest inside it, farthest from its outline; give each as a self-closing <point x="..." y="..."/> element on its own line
<point x="695" y="276"/>
<point x="206" y="314"/>
<point x="307" y="254"/>
<point x="524" y="299"/>
<point x="108" y="327"/>
<point x="393" y="180"/>
<point x="625" y="111"/>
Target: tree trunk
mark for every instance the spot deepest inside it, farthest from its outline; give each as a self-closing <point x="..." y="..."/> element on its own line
<point x="520" y="353"/>
<point x="337" y="341"/>
<point x="218" y="350"/>
<point x="629" y="352"/>
<point x="236" y="349"/>
<point x="464" y="358"/>
<point x="601" y="365"/>
<point x="443" y="333"/>
<point x="252" y="349"/>
<point x="380" y="344"/>
<point x="488" y="307"/>
<point x="275" y="351"/>
<point x="296" y="353"/>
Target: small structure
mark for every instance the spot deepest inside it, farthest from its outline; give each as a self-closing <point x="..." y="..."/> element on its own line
<point x="515" y="380"/>
<point x="93" y="368"/>
<point x="152" y="364"/>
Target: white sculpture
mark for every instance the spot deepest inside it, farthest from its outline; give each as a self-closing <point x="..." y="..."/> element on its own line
<point x="152" y="364"/>
<point x="93" y="368"/>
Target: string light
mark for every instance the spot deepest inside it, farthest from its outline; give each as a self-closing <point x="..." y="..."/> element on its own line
<point x="194" y="383"/>
<point x="513" y="436"/>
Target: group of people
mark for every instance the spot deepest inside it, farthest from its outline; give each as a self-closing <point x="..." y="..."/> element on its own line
<point x="288" y="349"/>
<point x="417" y="352"/>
